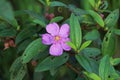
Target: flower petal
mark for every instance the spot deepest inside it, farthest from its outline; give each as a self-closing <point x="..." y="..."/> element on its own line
<point x="64" y="30"/>
<point x="47" y="39"/>
<point x="53" y="29"/>
<point x="56" y="50"/>
<point x="65" y="47"/>
<point x="65" y="39"/>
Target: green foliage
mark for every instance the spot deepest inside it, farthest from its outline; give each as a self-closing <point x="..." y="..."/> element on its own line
<point x="104" y="67"/>
<point x="108" y="45"/>
<point x="85" y="44"/>
<point x="113" y="73"/>
<point x="57" y="19"/>
<point x="42" y="1"/>
<point x="72" y="45"/>
<point x="7" y="31"/>
<point x="93" y="76"/>
<point x="94" y="33"/>
<point x="6" y="13"/>
<point x="25" y="33"/>
<point x="112" y="19"/>
<point x="88" y="64"/>
<point x="18" y="70"/>
<point x="57" y="3"/>
<point x="92" y="2"/>
<point x="51" y="63"/>
<point x="75" y="31"/>
<point x="33" y="49"/>
<point x="94" y="40"/>
<point x="40" y="22"/>
<point x="115" y="61"/>
<point x="96" y="17"/>
<point x="23" y="45"/>
<point x="91" y="52"/>
<point x="117" y="31"/>
<point x="36" y="18"/>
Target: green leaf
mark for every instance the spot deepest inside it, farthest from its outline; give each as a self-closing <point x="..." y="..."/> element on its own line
<point x="113" y="73"/>
<point x="22" y="46"/>
<point x="103" y="6"/>
<point x="86" y="19"/>
<point x="92" y="2"/>
<point x="53" y="71"/>
<point x="72" y="30"/>
<point x="20" y="74"/>
<point x="42" y="1"/>
<point x="104" y="67"/>
<point x="117" y="31"/>
<point x="91" y="52"/>
<point x="57" y="19"/>
<point x="33" y="14"/>
<point x="94" y="33"/>
<point x="36" y="16"/>
<point x="115" y="61"/>
<point x="75" y="31"/>
<point x="96" y="17"/>
<point x="112" y="19"/>
<point x="17" y="70"/>
<point x="77" y="11"/>
<point x="72" y="45"/>
<point x="8" y="55"/>
<point x="33" y="49"/>
<point x="108" y="45"/>
<point x="93" y="76"/>
<point x="16" y="64"/>
<point x="25" y="33"/>
<point x="88" y="64"/>
<point x="6" y="31"/>
<point x="40" y="22"/>
<point x="57" y="3"/>
<point x="52" y="62"/>
<point x="6" y="13"/>
<point x="85" y="44"/>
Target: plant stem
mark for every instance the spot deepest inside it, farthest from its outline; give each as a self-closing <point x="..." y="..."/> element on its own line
<point x="71" y="67"/>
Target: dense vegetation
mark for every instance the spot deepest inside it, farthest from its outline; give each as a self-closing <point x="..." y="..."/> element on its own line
<point x="59" y="40"/>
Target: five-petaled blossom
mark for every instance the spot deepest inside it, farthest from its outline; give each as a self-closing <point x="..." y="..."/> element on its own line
<point x="57" y="38"/>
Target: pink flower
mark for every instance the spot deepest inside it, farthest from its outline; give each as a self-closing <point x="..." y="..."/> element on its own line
<point x="57" y="38"/>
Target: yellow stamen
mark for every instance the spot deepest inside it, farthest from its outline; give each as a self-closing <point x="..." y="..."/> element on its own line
<point x="57" y="38"/>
